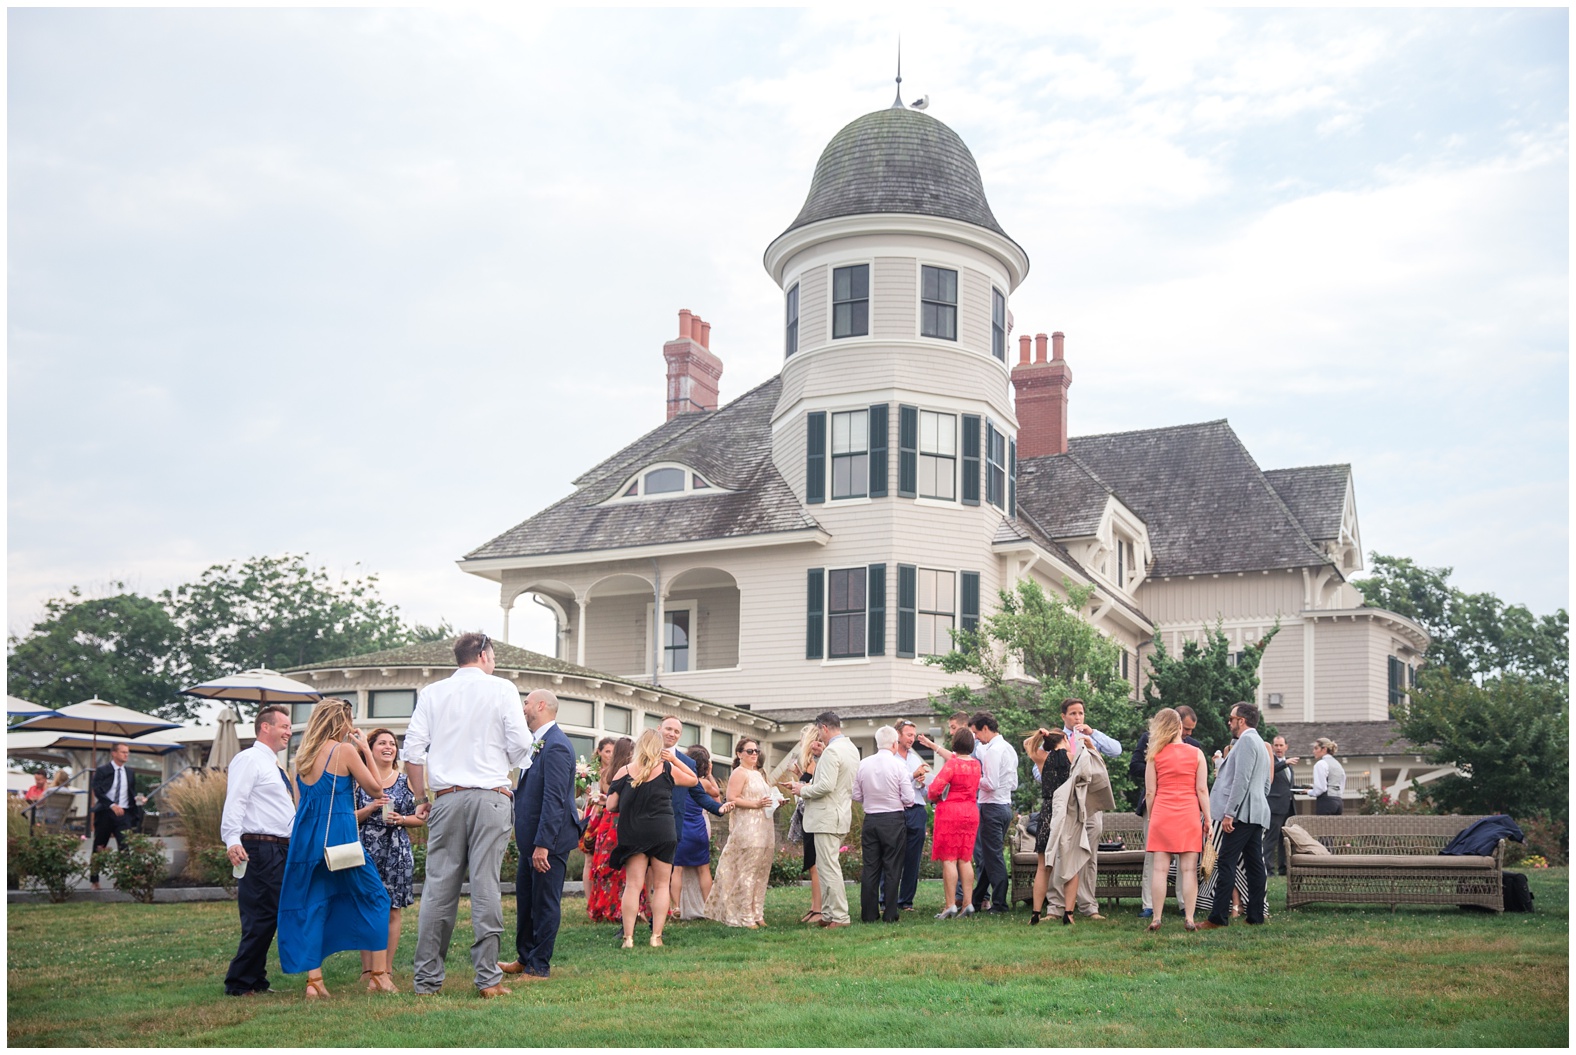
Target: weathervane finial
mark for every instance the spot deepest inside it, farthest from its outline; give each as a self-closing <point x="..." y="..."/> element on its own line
<point x="897" y="102"/>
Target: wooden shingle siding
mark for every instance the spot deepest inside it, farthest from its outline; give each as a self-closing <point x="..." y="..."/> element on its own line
<point x="892" y="295"/>
<point x="974" y="310"/>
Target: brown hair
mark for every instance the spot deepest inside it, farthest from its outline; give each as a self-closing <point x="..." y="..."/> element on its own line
<point x="469" y="647"/>
<point x="702" y="759"/>
<point x="372" y="737"/>
<point x="257" y="723"/>
<point x="1069" y="701"/>
<point x="738" y="752"/>
<point x="963" y="742"/>
<point x="623" y="751"/>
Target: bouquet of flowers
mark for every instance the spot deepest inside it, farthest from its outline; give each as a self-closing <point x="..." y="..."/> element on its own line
<point x="585" y="774"/>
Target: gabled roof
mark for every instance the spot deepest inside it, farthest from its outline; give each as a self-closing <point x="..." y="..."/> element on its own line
<point x="1068" y="498"/>
<point x="1316" y="495"/>
<point x="1207" y="505"/>
<point x="730" y="447"/>
<point x="1024" y="526"/>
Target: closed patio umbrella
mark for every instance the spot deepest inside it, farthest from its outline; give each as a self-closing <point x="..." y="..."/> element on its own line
<point x="226" y="744"/>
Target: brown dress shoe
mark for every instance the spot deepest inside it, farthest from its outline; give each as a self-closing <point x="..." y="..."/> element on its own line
<point x="492" y="991"/>
<point x="1207" y="925"/>
<point x="828" y="924"/>
<point x="513" y="967"/>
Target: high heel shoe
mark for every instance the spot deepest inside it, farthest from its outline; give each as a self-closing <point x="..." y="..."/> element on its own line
<point x="656" y="941"/>
<point x="1190" y="925"/>
<point x="1153" y="927"/>
<point x="1067" y="919"/>
<point x="950" y="912"/>
<point x="1034" y="918"/>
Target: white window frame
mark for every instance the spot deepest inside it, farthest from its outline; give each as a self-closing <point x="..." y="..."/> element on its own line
<point x="831" y="302"/>
<point x="936" y="456"/>
<point x="690" y="490"/>
<point x="863" y="655"/>
<point x="919" y="302"/>
<point x="832" y="454"/>
<point x="693" y="608"/>
<point x="935" y="613"/>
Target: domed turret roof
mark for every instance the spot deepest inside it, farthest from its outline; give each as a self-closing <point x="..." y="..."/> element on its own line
<point x="897" y="161"/>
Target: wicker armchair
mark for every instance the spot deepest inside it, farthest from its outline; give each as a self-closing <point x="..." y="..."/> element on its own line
<point x="1390" y="860"/>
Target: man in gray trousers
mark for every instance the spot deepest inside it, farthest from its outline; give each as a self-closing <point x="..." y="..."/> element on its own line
<point x="465" y="735"/>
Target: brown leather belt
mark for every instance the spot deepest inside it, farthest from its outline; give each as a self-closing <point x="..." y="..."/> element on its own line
<point x="265" y="838"/>
<point x="506" y="792"/>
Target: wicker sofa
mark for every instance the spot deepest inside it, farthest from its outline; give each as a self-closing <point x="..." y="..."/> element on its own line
<point x="1390" y="860"/>
<point x="1120" y="871"/>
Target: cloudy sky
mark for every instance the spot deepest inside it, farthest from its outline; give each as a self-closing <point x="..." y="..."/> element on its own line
<point x="376" y="285"/>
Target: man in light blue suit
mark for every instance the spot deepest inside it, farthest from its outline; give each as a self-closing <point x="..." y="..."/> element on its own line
<point x="1241" y="800"/>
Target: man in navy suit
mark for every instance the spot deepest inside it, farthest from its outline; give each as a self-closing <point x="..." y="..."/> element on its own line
<point x="546" y="821"/>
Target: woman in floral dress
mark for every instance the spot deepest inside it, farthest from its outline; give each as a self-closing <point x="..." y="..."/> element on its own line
<point x="388" y="847"/>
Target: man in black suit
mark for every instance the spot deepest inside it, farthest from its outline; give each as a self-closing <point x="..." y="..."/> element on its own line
<point x="115" y="809"/>
<point x="1280" y="807"/>
<point x="545" y="819"/>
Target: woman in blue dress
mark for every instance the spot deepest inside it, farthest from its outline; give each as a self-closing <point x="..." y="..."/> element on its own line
<point x="323" y="912"/>
<point x="384" y="838"/>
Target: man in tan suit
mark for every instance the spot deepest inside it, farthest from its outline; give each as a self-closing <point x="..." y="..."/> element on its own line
<point x="828" y="813"/>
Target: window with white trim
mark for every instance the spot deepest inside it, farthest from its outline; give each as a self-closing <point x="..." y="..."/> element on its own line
<point x="938" y="302"/>
<point x="938" y="455"/>
<point x="665" y="481"/>
<point x="937" y="614"/>
<point x="791" y="327"/>
<point x="851" y="301"/>
<point x="845" y="613"/>
<point x="996" y="467"/>
<point x="851" y="454"/>
<point x="998" y="325"/>
<point x="676" y="640"/>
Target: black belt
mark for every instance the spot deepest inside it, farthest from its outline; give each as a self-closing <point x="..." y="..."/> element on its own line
<point x="265" y="838"/>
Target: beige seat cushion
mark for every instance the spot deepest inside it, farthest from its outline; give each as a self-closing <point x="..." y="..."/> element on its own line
<point x="1329" y="860"/>
<point x="1302" y="842"/>
<point x="1108" y="858"/>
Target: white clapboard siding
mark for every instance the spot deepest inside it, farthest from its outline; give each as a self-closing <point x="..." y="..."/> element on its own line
<point x="893" y="292"/>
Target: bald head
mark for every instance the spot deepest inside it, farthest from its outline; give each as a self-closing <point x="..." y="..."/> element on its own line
<point x="541" y="707"/>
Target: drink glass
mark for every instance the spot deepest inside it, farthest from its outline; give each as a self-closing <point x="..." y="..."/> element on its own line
<point x="239" y="870"/>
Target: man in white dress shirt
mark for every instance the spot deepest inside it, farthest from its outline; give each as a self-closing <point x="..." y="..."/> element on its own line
<point x="885" y="787"/>
<point x="915" y="817"/>
<point x="998" y="780"/>
<point x="259" y="812"/>
<point x="465" y="734"/>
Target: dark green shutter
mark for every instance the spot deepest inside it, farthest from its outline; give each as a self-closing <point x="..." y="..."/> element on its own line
<point x="908" y="451"/>
<point x="1012" y="478"/>
<point x="879" y="434"/>
<point x="969" y="614"/>
<point x="971" y="460"/>
<point x="815" y="606"/>
<point x="907" y="606"/>
<point x="815" y="457"/>
<point x="875" y="609"/>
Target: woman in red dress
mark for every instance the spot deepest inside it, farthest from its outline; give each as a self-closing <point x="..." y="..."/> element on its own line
<point x="1174" y="785"/>
<point x="957" y="821"/>
<point x="605" y="892"/>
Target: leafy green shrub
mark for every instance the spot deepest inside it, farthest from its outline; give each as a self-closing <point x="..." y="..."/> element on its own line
<point x="787" y="866"/>
<point x="1545" y="839"/>
<point x="48" y="862"/>
<point x="419" y="851"/>
<point x="16" y="837"/>
<point x="1377" y="803"/>
<point x="213" y="866"/>
<point x="511" y="863"/>
<point x="136" y="868"/>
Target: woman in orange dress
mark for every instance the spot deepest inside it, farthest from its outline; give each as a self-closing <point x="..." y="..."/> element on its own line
<point x="1175" y="786"/>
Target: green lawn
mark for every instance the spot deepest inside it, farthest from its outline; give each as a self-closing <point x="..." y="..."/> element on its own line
<point x="87" y="974"/>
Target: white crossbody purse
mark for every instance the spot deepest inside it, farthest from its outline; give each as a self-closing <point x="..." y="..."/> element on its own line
<point x="343" y="855"/>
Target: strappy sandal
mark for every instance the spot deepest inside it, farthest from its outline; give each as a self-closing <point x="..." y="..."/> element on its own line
<point x="315" y="989"/>
<point x="366" y="976"/>
<point x="386" y="985"/>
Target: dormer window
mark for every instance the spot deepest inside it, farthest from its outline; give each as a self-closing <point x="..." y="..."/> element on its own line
<point x="938" y="296"/>
<point x="665" y="481"/>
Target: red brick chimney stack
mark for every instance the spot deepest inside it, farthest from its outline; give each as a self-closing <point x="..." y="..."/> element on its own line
<point x="1041" y="388"/>
<point x="693" y="371"/>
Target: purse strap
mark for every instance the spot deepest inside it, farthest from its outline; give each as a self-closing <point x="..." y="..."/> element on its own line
<point x="320" y="776"/>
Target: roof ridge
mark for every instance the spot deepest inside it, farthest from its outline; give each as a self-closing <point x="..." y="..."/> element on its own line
<point x="1089" y="470"/>
<point x="1303" y="468"/>
<point x="1161" y="428"/>
<point x="1275" y="496"/>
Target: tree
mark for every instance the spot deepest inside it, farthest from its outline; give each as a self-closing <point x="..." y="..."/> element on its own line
<point x="1063" y="655"/>
<point x="123" y="648"/>
<point x="1474" y="635"/>
<point x="139" y="651"/>
<point x="279" y="612"/>
<point x="1510" y="736"/>
<point x="1203" y="678"/>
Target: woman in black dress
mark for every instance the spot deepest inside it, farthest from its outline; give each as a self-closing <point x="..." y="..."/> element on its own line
<point x="1047" y="748"/>
<point x="642" y="793"/>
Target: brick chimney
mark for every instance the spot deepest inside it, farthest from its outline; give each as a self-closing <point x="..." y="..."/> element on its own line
<point x="693" y="371"/>
<point x="1041" y="388"/>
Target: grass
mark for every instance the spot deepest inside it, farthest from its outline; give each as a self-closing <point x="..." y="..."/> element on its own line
<point x="1328" y="976"/>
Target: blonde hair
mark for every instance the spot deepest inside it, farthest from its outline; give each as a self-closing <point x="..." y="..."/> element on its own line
<point x="648" y="757"/>
<point x="806" y="738"/>
<point x="330" y="720"/>
<point x="1165" y="728"/>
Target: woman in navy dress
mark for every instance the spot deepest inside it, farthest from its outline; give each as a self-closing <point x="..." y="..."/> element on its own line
<point x="323" y="912"/>
<point x="387" y="846"/>
<point x="694" y="848"/>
